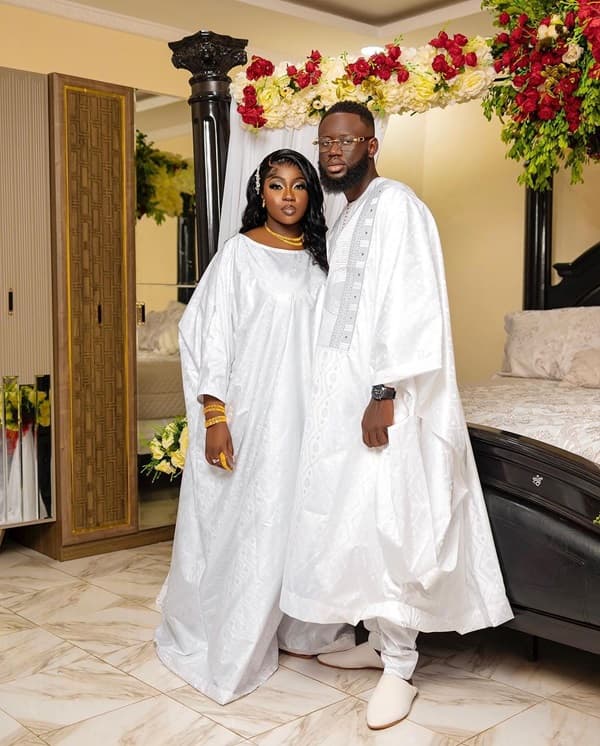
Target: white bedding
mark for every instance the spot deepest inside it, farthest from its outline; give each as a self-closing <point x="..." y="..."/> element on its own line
<point x="566" y="417"/>
<point x="160" y="391"/>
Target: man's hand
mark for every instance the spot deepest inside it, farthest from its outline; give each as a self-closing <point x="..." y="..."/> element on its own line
<point x="218" y="440"/>
<point x="378" y="416"/>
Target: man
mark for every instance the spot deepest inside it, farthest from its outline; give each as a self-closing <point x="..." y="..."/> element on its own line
<point x="390" y="524"/>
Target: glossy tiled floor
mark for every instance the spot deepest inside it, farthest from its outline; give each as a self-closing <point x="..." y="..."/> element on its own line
<point x="77" y="668"/>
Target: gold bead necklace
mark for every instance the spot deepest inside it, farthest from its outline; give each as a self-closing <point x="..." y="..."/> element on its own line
<point x="291" y="240"/>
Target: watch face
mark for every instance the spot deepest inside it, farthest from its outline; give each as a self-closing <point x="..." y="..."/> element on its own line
<point x="377" y="392"/>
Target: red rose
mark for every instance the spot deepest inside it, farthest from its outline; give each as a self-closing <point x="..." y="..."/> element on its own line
<point x="519" y="81"/>
<point x="529" y="106"/>
<point x="498" y="66"/>
<point x="502" y="38"/>
<point x="471" y="59"/>
<point x="303" y="79"/>
<point x="570" y="20"/>
<point x="259" y="68"/>
<point x="546" y="113"/>
<point x="402" y="74"/>
<point x="450" y="73"/>
<point x="249" y="95"/>
<point x="460" y="39"/>
<point x="458" y="60"/>
<point x="315" y="56"/>
<point x="523" y="19"/>
<point x="439" y="63"/>
<point x="394" y="51"/>
<point x="504" y="19"/>
<point x="292" y="70"/>
<point x="310" y="67"/>
<point x="536" y="79"/>
<point x="384" y="73"/>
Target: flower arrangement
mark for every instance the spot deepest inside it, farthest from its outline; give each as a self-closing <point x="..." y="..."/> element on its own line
<point x="548" y="57"/>
<point x="168" y="448"/>
<point x="34" y="409"/>
<point x="450" y="69"/>
<point x="161" y="179"/>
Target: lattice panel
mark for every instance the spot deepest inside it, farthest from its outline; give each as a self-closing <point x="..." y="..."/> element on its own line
<point x="94" y="132"/>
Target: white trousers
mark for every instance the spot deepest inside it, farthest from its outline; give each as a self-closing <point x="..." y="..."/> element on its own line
<point x="396" y="644"/>
<point x="305" y="638"/>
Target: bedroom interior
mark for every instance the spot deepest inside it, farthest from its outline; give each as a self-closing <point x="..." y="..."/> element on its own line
<point x="455" y="160"/>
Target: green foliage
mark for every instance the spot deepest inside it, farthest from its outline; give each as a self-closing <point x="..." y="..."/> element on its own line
<point x="161" y="179"/>
<point x="545" y="143"/>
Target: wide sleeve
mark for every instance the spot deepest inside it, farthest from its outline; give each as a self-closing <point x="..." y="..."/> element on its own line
<point x="206" y="330"/>
<point x="409" y="328"/>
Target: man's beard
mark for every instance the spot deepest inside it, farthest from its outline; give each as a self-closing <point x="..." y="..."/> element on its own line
<point x="353" y="176"/>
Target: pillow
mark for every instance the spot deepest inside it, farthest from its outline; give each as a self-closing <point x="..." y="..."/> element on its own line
<point x="542" y="344"/>
<point x="160" y="332"/>
<point x="585" y="369"/>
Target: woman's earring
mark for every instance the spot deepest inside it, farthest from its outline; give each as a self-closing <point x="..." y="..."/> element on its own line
<point x="263" y="202"/>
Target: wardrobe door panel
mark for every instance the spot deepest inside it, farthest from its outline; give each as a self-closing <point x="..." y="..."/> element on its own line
<point x="92" y="137"/>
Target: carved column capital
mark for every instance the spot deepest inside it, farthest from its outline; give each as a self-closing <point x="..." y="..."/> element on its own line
<point x="208" y="56"/>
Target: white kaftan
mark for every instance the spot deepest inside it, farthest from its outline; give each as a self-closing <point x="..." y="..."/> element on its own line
<point x="400" y="532"/>
<point x="247" y="338"/>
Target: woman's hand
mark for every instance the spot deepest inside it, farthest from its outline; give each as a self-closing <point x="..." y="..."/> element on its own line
<point x="378" y="416"/>
<point x="218" y="441"/>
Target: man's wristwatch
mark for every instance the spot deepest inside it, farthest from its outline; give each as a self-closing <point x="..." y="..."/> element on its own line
<point x="380" y="392"/>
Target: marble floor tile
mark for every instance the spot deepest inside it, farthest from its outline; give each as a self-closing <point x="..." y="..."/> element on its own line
<point x="285" y="696"/>
<point x="13" y="733"/>
<point x="142" y="662"/>
<point x="351" y="682"/>
<point x="445" y="644"/>
<point x="344" y="724"/>
<point x="99" y="565"/>
<point x="33" y="650"/>
<point x="58" y="697"/>
<point x="460" y="704"/>
<point x="139" y="582"/>
<point x="504" y="657"/>
<point x="20" y="574"/>
<point x="585" y="695"/>
<point x="546" y="724"/>
<point x="11" y="622"/>
<point x="161" y="550"/>
<point x="153" y="722"/>
<point x="94" y="619"/>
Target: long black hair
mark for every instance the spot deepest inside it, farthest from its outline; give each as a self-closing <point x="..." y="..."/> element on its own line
<point x="312" y="223"/>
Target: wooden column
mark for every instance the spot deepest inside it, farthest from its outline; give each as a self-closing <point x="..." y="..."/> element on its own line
<point x="538" y="248"/>
<point x="209" y="57"/>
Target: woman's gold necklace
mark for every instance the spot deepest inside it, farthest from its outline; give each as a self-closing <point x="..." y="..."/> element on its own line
<point x="296" y="241"/>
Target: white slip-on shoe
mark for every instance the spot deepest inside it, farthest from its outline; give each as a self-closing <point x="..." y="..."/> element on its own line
<point x="361" y="656"/>
<point x="390" y="702"/>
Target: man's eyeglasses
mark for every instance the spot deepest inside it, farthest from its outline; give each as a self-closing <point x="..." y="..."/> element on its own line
<point x="345" y="143"/>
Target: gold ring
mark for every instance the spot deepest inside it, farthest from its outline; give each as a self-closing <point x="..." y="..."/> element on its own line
<point x="223" y="461"/>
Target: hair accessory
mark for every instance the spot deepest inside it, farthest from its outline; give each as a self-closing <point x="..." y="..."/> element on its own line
<point x="257" y="181"/>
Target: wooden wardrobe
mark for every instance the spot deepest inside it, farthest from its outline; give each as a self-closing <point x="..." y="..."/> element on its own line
<point x="92" y="313"/>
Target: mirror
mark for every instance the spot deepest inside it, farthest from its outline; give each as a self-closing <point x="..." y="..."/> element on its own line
<point x="165" y="279"/>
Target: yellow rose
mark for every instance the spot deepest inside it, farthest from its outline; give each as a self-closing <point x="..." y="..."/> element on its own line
<point x="178" y="460"/>
<point x="43" y="416"/>
<point x="156" y="449"/>
<point x="165" y="467"/>
<point x="184" y="440"/>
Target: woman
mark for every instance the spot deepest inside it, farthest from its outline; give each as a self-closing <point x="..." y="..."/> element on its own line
<point x="246" y="342"/>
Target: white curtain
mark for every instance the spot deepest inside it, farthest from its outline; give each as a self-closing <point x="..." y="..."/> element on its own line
<point x="246" y="151"/>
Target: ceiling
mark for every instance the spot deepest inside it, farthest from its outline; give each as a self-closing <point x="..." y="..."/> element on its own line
<point x="280" y="28"/>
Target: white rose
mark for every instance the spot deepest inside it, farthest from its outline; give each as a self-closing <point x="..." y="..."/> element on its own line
<point x="573" y="53"/>
<point x="546" y="32"/>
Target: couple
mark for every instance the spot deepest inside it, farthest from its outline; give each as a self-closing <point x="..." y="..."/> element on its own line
<point x="335" y="481"/>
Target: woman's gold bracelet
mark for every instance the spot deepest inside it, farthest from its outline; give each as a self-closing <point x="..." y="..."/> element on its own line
<point x="215" y="421"/>
<point x="214" y="408"/>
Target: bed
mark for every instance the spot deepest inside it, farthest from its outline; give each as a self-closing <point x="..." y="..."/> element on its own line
<point x="159" y="387"/>
<point x="541" y="475"/>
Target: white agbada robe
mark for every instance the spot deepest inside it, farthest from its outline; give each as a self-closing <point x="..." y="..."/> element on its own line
<point x="401" y="532"/>
<point x="247" y="338"/>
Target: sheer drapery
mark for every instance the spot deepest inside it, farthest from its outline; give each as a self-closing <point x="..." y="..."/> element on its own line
<point x="246" y="151"/>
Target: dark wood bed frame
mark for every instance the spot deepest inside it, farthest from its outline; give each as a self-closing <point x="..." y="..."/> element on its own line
<point x="542" y="502"/>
